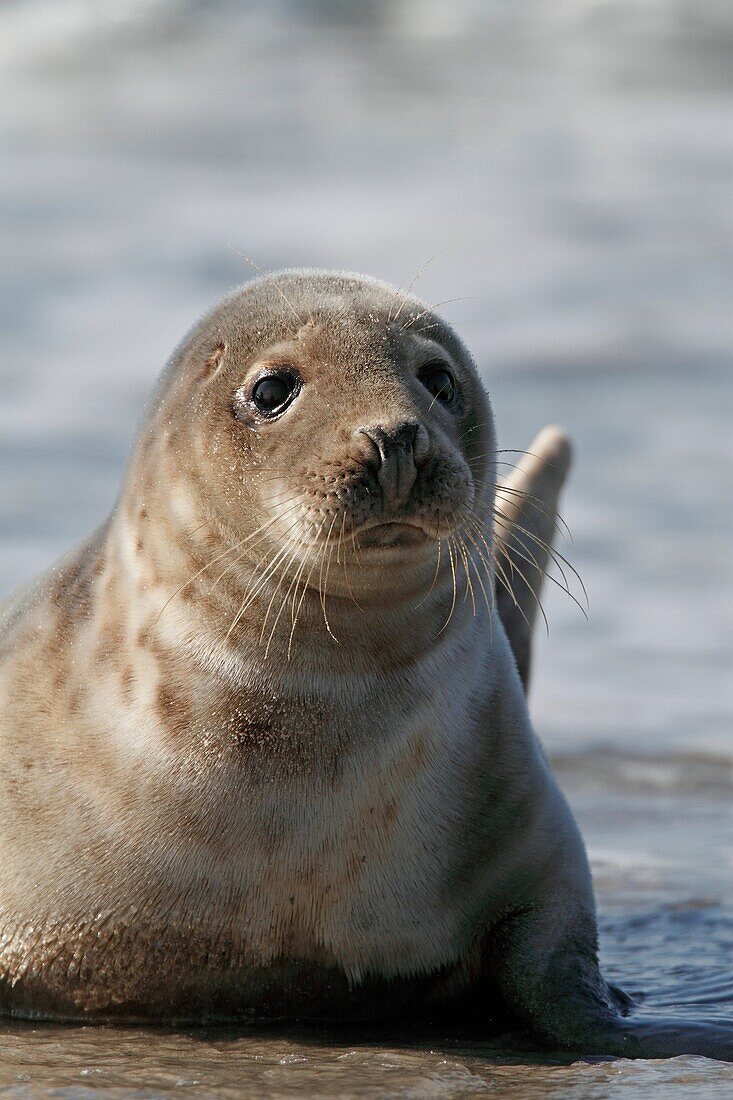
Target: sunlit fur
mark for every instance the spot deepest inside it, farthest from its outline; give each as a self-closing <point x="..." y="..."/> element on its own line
<point x="288" y="504"/>
<point x="262" y="755"/>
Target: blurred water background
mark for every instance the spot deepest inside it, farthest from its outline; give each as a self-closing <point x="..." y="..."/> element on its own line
<point x="568" y="166"/>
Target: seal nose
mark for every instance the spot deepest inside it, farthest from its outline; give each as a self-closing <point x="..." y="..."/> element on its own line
<point x="394" y="455"/>
<point x="387" y="442"/>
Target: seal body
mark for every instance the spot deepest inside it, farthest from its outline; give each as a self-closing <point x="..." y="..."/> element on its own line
<point x="264" y="748"/>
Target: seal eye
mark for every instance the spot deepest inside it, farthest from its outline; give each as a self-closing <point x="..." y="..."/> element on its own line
<point x="272" y="393"/>
<point x="438" y="380"/>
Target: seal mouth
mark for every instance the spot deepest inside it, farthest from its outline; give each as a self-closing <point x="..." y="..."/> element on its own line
<point x="392" y="533"/>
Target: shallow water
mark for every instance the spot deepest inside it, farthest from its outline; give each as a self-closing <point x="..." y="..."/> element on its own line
<point x="573" y="162"/>
<point x="80" y="1062"/>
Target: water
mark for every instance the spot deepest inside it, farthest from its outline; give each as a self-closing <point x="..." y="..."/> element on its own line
<point x="570" y="164"/>
<point x="80" y="1063"/>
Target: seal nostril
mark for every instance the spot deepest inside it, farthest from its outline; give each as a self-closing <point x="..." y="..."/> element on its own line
<point x="387" y="441"/>
<point x="371" y="450"/>
<point x="406" y="433"/>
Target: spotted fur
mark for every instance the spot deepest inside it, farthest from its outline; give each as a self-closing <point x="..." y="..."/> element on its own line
<point x="208" y="813"/>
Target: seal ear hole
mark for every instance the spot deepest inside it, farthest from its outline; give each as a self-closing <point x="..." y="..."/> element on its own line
<point x="213" y="363"/>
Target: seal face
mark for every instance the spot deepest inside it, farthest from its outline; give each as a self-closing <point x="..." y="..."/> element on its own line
<point x="332" y="422"/>
<point x="264" y="750"/>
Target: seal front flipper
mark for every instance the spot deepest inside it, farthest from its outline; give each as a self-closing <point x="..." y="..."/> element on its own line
<point x="525" y="524"/>
<point x="544" y="960"/>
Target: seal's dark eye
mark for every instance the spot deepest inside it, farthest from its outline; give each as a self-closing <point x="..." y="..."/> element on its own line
<point x="273" y="392"/>
<point x="438" y="380"/>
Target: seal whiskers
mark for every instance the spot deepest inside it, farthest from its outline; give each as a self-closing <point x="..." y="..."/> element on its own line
<point x="213" y="561"/>
<point x="296" y="611"/>
<point x="449" y="548"/>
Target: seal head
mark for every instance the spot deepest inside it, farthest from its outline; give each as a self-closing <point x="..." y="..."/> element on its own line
<point x="310" y="411"/>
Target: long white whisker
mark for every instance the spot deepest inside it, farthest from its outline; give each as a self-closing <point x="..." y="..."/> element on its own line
<point x="453" y="603"/>
<point x="322" y="581"/>
<point x="293" y="585"/>
<point x="296" y="611"/>
<point x="213" y="561"/>
<point x="405" y="293"/>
